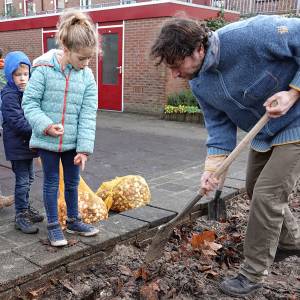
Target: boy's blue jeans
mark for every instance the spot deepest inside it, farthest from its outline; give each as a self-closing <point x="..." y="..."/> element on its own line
<point x="24" y="176"/>
<point x="50" y="161"/>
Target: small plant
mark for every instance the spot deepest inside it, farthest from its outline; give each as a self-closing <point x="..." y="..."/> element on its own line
<point x="181" y="109"/>
<point x="184" y="97"/>
<point x="215" y="24"/>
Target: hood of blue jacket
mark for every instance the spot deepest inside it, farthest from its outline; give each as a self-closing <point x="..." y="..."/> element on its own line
<point x="12" y="63"/>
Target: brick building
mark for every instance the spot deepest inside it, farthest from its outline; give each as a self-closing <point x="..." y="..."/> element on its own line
<point x="126" y="78"/>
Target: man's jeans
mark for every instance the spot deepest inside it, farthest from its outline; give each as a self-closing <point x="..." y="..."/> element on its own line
<point x="270" y="179"/>
<point x="24" y="176"/>
<point x="50" y="161"/>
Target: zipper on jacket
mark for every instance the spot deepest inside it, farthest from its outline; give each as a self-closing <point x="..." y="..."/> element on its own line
<point x="64" y="109"/>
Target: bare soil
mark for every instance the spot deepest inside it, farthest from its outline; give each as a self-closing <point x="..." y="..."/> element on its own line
<point x="191" y="267"/>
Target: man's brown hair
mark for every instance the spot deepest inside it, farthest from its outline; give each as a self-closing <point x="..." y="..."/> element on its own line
<point x="177" y="39"/>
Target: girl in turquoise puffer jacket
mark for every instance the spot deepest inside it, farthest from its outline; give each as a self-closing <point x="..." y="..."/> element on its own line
<point x="60" y="103"/>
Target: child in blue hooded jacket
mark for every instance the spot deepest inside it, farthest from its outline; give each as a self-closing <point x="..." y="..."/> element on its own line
<point x="16" y="136"/>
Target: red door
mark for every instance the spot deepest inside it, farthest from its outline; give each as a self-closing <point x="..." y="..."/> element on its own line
<point x="49" y="41"/>
<point x="110" y="69"/>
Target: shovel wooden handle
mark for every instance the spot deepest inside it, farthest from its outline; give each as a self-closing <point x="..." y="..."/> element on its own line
<point x="243" y="143"/>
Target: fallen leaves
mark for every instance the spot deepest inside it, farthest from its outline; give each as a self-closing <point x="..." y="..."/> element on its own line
<point x="141" y="273"/>
<point x="150" y="291"/>
<point x="205" y="243"/>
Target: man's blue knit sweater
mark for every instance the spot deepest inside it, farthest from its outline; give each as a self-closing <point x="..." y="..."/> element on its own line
<point x="245" y="64"/>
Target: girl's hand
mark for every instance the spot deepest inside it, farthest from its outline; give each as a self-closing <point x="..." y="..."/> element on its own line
<point x="55" y="130"/>
<point x="80" y="159"/>
<point x="283" y="102"/>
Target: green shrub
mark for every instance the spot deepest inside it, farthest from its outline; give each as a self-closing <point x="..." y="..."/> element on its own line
<point x="184" y="97"/>
<point x="215" y="24"/>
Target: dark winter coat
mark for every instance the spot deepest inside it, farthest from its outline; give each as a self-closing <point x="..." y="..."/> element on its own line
<point x="16" y="129"/>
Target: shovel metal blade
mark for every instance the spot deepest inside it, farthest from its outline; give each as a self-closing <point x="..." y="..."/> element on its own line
<point x="164" y="231"/>
<point x="217" y="208"/>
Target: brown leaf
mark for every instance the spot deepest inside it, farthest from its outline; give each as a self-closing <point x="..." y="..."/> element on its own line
<point x="211" y="273"/>
<point x="236" y="237"/>
<point x="141" y="273"/>
<point x="205" y="268"/>
<point x="125" y="270"/>
<point x="209" y="252"/>
<point x="198" y="239"/>
<point x="72" y="242"/>
<point x="213" y="246"/>
<point x="37" y="293"/>
<point x="150" y="292"/>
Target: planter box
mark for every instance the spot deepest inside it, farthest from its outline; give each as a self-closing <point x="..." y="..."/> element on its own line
<point x="185" y="117"/>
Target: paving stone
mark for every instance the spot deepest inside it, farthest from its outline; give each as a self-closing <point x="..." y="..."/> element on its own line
<point x="15" y="269"/>
<point x="21" y="239"/>
<point x="5" y="172"/>
<point x="48" y="257"/>
<point x="172" y="202"/>
<point x="172" y="187"/>
<point x="191" y="170"/>
<point x="7" y="215"/>
<point x="6" y="245"/>
<point x="103" y="240"/>
<point x="229" y="192"/>
<point x="234" y="183"/>
<point x="124" y="226"/>
<point x="189" y="182"/>
<point x="160" y="194"/>
<point x="164" y="179"/>
<point x="8" y="226"/>
<point x="154" y="216"/>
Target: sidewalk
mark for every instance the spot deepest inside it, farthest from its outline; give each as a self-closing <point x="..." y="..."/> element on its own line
<point x="169" y="155"/>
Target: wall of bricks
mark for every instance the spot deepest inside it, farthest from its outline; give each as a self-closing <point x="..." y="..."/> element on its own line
<point x="144" y="84"/>
<point x="28" y="41"/>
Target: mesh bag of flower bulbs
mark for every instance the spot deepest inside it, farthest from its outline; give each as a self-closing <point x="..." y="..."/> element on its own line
<point x="91" y="207"/>
<point x="123" y="193"/>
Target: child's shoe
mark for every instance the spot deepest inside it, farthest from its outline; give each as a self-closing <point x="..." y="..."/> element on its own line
<point x="55" y="235"/>
<point x="34" y="215"/>
<point x="75" y="225"/>
<point x="23" y="223"/>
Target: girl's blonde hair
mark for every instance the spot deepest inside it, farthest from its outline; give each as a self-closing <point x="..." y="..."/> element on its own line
<point x="76" y="31"/>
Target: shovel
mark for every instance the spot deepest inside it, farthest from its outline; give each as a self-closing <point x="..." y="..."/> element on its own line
<point x="217" y="206"/>
<point x="164" y="231"/>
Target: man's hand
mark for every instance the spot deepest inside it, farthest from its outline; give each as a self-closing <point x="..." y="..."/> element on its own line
<point x="208" y="182"/>
<point x="80" y="159"/>
<point x="55" y="130"/>
<point x="284" y="101"/>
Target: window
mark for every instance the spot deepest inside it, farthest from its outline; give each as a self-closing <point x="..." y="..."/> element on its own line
<point x="86" y="3"/>
<point x="60" y="4"/>
<point x="218" y="3"/>
<point x="8" y="7"/>
<point x="127" y="1"/>
<point x="29" y="7"/>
